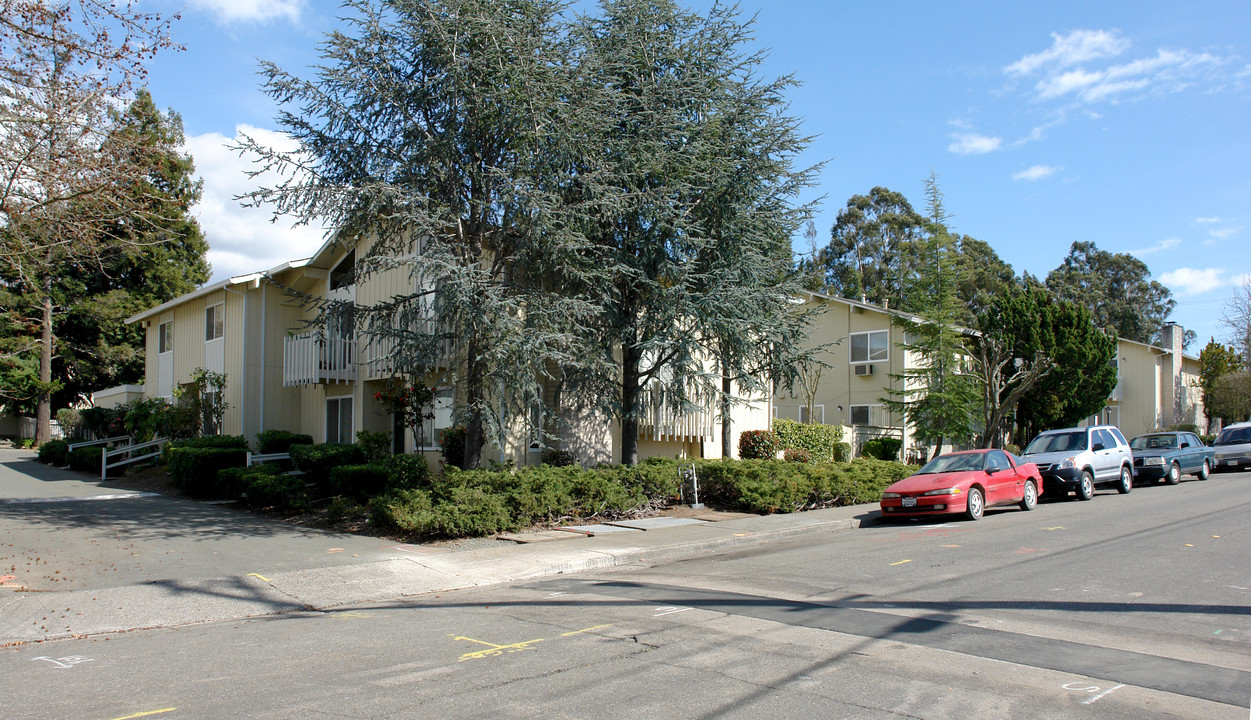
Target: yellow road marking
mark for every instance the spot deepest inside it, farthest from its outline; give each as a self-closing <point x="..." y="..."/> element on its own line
<point x="1057" y="527"/>
<point x="949" y="546"/>
<point x="575" y="632"/>
<point x="145" y="714"/>
<point x="493" y="650"/>
<point x="258" y="575"/>
<point x="1189" y="545"/>
<point x="901" y="562"/>
<point x="1216" y="536"/>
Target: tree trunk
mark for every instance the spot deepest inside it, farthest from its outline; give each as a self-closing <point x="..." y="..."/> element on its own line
<point x="727" y="431"/>
<point x="43" y="407"/>
<point x="629" y="406"/>
<point x="473" y="398"/>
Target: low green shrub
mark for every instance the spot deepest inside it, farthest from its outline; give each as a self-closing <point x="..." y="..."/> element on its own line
<point x="232" y="442"/>
<point x="359" y="482"/>
<point x="452" y="446"/>
<point x="884" y="448"/>
<point x="407" y="472"/>
<point x="758" y="445"/>
<point x="280" y="441"/>
<point x="375" y="444"/>
<point x="316" y="461"/>
<point x="280" y="492"/>
<point x="194" y="470"/>
<point x="1012" y="448"/>
<point x="842" y="452"/>
<point x="821" y="441"/>
<point x="54" y="452"/>
<point x="86" y="459"/>
<point x="559" y="458"/>
<point x="232" y="482"/>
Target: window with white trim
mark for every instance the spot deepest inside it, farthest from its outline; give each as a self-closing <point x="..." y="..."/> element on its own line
<point x="818" y="414"/>
<point x="339" y="419"/>
<point x="873" y="346"/>
<point x="214" y="322"/>
<point x="165" y="337"/>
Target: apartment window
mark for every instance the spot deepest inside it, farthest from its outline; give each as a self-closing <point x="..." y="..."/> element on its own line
<point x="339" y="419"/>
<point x="870" y="346"/>
<point x="872" y="415"/>
<point x="344" y="273"/>
<point x="817" y="416"/>
<point x="165" y="337"/>
<point x="214" y="322"/>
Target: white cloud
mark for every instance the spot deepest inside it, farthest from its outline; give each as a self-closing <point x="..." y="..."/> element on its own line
<point x="1207" y="220"/>
<point x="1224" y="233"/>
<point x="1193" y="281"/>
<point x="973" y="144"/>
<point x="1071" y="49"/>
<point x="1037" y="172"/>
<point x="1076" y="66"/>
<point x="228" y="11"/>
<point x="1165" y="244"/>
<point x="243" y="240"/>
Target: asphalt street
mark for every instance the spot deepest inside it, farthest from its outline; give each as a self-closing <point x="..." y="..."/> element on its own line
<point x="1129" y="606"/>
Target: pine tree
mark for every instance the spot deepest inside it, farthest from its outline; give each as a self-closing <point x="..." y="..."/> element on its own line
<point x="939" y="399"/>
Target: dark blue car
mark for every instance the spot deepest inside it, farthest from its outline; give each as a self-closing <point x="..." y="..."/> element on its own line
<point x="1170" y="455"/>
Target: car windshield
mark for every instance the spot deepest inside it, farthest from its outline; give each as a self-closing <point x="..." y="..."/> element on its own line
<point x="1057" y="442"/>
<point x="1153" y="442"/>
<point x="953" y="463"/>
<point x="1234" y="436"/>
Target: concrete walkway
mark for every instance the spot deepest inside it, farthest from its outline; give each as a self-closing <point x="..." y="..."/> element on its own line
<point x="227" y="564"/>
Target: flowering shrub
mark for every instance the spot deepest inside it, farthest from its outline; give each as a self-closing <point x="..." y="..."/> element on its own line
<point x="410" y="401"/>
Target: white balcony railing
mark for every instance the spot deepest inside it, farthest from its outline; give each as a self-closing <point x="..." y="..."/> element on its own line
<point x="314" y="357"/>
<point x="661" y="422"/>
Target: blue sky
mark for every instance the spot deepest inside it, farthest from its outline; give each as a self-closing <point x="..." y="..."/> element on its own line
<point x="1123" y="123"/>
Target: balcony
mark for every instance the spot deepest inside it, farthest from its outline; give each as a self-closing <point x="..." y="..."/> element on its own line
<point x="662" y="423"/>
<point x="313" y="357"/>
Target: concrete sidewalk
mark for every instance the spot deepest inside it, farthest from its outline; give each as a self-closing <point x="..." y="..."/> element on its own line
<point x="413" y="570"/>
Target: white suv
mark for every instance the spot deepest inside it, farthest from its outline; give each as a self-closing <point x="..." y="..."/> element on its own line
<point x="1233" y="446"/>
<point x="1078" y="459"/>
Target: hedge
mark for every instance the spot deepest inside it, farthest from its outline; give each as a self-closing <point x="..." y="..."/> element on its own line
<point x="316" y="461"/>
<point x="86" y="459"/>
<point x="54" y="452"/>
<point x="359" y="482"/>
<point x="278" y="491"/>
<point x="236" y="442"/>
<point x="194" y="469"/>
<point x="481" y="502"/>
<point x="884" y="448"/>
<point x="280" y="441"/>
<point x="821" y="441"/>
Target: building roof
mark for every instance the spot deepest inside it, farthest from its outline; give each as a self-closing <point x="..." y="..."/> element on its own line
<point x="219" y="285"/>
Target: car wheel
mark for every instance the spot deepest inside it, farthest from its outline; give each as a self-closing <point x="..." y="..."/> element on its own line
<point x="1174" y="474"/>
<point x="1206" y="471"/>
<point x="1030" y="501"/>
<point x="1127" y="481"/>
<point x="976" y="505"/>
<point x="1086" y="486"/>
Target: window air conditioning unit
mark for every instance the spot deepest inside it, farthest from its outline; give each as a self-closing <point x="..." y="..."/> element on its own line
<point x="864" y="369"/>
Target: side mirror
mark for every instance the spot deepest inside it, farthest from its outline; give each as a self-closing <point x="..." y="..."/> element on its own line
<point x="1185" y="444"/>
<point x="1097" y="447"/>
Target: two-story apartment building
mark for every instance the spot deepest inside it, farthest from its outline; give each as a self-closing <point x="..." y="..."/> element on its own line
<point x="287" y="370"/>
<point x="1156" y="386"/>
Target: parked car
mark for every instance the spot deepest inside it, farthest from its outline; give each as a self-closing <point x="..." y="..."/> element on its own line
<point x="1233" y="447"/>
<point x="1170" y="455"/>
<point x="1080" y="459"/>
<point x="965" y="482"/>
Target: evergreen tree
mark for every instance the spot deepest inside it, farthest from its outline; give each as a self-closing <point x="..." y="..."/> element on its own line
<point x="688" y="178"/>
<point x="432" y="131"/>
<point x="1117" y="290"/>
<point x="938" y="398"/>
<point x="1215" y="361"/>
<point x="872" y="249"/>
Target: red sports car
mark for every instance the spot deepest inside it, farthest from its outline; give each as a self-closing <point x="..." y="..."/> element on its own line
<point x="964" y="482"/>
